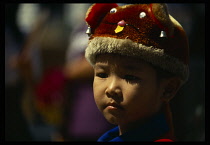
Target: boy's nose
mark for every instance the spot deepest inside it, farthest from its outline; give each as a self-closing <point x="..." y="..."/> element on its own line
<point x="114" y="89"/>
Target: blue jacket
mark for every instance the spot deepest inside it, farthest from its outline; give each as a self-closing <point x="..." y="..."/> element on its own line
<point x="149" y="131"/>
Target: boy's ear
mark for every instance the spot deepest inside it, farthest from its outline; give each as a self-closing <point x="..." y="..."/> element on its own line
<point x="171" y="86"/>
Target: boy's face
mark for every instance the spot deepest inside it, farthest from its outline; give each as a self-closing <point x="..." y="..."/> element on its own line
<point x="126" y="90"/>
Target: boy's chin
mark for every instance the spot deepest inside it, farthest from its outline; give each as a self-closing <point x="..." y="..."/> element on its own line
<point x="112" y="119"/>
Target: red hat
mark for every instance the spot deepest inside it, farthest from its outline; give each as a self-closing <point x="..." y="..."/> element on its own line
<point x="145" y="31"/>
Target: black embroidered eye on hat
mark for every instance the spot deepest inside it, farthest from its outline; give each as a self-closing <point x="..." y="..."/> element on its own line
<point x="145" y="31"/>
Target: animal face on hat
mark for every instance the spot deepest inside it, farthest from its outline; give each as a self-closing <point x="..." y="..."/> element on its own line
<point x="146" y="31"/>
<point x="131" y="21"/>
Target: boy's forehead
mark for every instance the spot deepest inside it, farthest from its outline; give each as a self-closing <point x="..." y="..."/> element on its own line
<point x="114" y="57"/>
<point x="124" y="61"/>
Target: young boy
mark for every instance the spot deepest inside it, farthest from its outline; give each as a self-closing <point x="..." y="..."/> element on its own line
<point x="140" y="58"/>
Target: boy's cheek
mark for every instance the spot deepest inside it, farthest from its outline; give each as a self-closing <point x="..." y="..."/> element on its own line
<point x="95" y="83"/>
<point x="97" y="88"/>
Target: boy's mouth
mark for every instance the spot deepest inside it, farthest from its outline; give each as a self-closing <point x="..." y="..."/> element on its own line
<point x="113" y="106"/>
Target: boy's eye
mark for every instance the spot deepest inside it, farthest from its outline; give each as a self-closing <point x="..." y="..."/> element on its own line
<point x="102" y="75"/>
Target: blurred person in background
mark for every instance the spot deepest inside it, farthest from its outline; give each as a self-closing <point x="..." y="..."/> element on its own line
<point x="41" y="65"/>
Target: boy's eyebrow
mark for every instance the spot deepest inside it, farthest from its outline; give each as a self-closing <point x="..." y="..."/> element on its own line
<point x="100" y="65"/>
<point x="132" y="67"/>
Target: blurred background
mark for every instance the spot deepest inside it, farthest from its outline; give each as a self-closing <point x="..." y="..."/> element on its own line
<point x="48" y="82"/>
